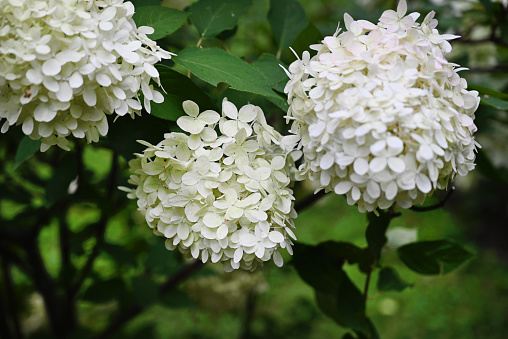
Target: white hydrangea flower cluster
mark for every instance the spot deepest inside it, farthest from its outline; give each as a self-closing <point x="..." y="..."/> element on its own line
<point x="65" y="64"/>
<point x="219" y="198"/>
<point x="383" y="116"/>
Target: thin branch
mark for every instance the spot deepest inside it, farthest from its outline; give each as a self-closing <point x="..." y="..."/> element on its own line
<point x="308" y="201"/>
<point x="250" y="306"/>
<point x="135" y="310"/>
<point x="13" y="310"/>
<point x="367" y="282"/>
<point x="101" y="229"/>
<point x="436" y="206"/>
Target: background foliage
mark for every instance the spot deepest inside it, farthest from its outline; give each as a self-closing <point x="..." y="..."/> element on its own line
<point x="78" y="261"/>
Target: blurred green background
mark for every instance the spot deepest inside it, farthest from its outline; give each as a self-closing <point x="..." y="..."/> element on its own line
<point x="273" y="302"/>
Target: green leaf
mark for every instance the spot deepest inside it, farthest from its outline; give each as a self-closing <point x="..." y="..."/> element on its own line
<point x="271" y="69"/>
<point x="487" y="168"/>
<point x="211" y="17"/>
<point x="124" y="132"/>
<point x="163" y="20"/>
<point x="310" y="35"/>
<point x="143" y="3"/>
<point x="487" y="91"/>
<point x="119" y="254"/>
<point x="160" y="260"/>
<point x="336" y="294"/>
<point x="65" y="172"/>
<point x="27" y="147"/>
<point x="215" y="65"/>
<point x="178" y="88"/>
<point x="389" y="280"/>
<point x="287" y="19"/>
<point x="375" y="233"/>
<point x="103" y="291"/>
<point x="145" y="291"/>
<point x="494" y="102"/>
<point x="433" y="257"/>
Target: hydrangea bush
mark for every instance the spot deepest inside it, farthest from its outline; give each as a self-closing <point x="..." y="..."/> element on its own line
<point x="219" y="197"/>
<point x="383" y="116"/>
<point x="379" y="114"/>
<point x="65" y="65"/>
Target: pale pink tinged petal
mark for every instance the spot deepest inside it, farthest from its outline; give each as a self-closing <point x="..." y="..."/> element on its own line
<point x="327" y="160"/>
<point x="248" y="113"/>
<point x="190" y="125"/>
<point x="89" y="96"/>
<point x="34" y="76"/>
<point x="247" y="239"/>
<point x="65" y="93"/>
<point x="423" y="183"/>
<point x="277" y="259"/>
<point x="51" y="67"/>
<point x="230" y="110"/>
<point x="343" y="187"/>
<point x="396" y="164"/>
<point x="348" y="19"/>
<point x="222" y="231"/>
<point x="212" y="220"/>
<point x="238" y="255"/>
<point x="391" y="190"/>
<point x="361" y="166"/>
<point x="373" y="189"/>
<point x="401" y="8"/>
<point x="377" y="164"/>
<point x="28" y="125"/>
<point x="209" y="117"/>
<point x="183" y="231"/>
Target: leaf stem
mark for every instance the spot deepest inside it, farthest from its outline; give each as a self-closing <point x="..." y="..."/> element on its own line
<point x="435" y="206"/>
<point x="367" y="283"/>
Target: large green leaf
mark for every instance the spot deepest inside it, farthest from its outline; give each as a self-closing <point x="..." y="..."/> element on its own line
<point x="271" y="69"/>
<point x="178" y="88"/>
<point x="164" y="20"/>
<point x="27" y="147"/>
<point x="336" y="294"/>
<point x="433" y="257"/>
<point x="215" y="65"/>
<point x="487" y="168"/>
<point x="389" y="280"/>
<point x="211" y="17"/>
<point x="495" y="102"/>
<point x="488" y="91"/>
<point x="287" y="19"/>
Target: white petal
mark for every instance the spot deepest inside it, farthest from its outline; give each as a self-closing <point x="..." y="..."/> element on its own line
<point x="151" y="70"/>
<point x="230" y="110"/>
<point x="277" y="259"/>
<point x="89" y="96"/>
<point x="43" y="113"/>
<point x="361" y="166"/>
<point x="191" y="108"/>
<point x="191" y="178"/>
<point x="248" y="113"/>
<point x="183" y="231"/>
<point x="238" y="255"/>
<point x="51" y="67"/>
<point x="373" y="189"/>
<point x="65" y="93"/>
<point x="327" y="160"/>
<point x="276" y="236"/>
<point x="189" y="124"/>
<point x="222" y="231"/>
<point x="209" y="117"/>
<point x="423" y="183"/>
<point x="212" y="220"/>
<point x="247" y="239"/>
<point x="377" y="164"/>
<point x="34" y="76"/>
<point x="396" y="164"/>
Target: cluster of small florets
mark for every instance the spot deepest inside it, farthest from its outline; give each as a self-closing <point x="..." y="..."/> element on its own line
<point x="383" y="116"/>
<point x="64" y="65"/>
<point x="219" y="198"/>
